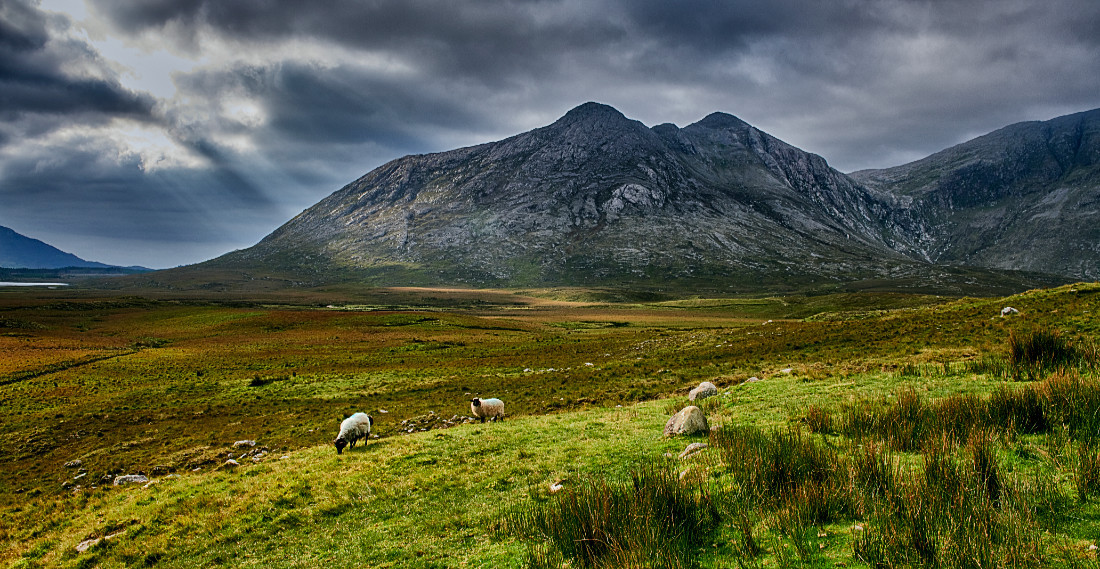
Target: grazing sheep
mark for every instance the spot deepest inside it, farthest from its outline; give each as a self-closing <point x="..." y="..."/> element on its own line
<point x="487" y="409"/>
<point x="351" y="430"/>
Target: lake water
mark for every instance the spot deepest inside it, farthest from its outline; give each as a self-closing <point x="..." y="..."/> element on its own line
<point x="32" y="284"/>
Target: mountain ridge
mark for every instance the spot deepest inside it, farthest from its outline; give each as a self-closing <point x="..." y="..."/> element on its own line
<point x="1026" y="196"/>
<point x="596" y="198"/>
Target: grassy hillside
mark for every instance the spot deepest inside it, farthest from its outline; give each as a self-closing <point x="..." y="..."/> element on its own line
<point x="165" y="387"/>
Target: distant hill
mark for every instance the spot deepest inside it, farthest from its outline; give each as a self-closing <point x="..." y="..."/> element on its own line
<point x="598" y="199"/>
<point x="18" y="251"/>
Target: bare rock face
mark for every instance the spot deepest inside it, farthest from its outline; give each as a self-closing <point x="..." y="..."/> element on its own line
<point x="704" y="390"/>
<point x="689" y="421"/>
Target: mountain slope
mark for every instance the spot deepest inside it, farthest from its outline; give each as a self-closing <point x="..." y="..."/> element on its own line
<point x="596" y="198"/>
<point x="21" y="252"/>
<point x="1024" y="197"/>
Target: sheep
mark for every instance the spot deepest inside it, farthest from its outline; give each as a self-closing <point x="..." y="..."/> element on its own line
<point x="487" y="409"/>
<point x="351" y="430"/>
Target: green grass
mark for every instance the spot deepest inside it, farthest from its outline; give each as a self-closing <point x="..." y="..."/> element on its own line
<point x="861" y="417"/>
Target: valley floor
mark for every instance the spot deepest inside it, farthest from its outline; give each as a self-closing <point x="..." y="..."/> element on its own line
<point x="162" y="387"/>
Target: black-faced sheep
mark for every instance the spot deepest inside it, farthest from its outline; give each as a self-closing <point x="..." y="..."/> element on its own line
<point x="351" y="430"/>
<point x="487" y="409"/>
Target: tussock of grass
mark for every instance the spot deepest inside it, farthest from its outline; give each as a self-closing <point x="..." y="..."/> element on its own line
<point x="650" y="520"/>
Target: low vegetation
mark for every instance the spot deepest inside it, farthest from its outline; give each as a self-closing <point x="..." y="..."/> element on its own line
<point x="880" y="430"/>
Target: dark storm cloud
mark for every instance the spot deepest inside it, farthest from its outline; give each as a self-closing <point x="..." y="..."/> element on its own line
<point x="812" y="70"/>
<point x="35" y="88"/>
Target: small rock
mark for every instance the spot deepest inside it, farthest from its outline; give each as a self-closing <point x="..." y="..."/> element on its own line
<point x="1009" y="311"/>
<point x="131" y="479"/>
<point x="688" y="421"/>
<point x="79" y="476"/>
<point x="752" y="379"/>
<point x="86" y="545"/>
<point x="556" y="487"/>
<point x="286" y="456"/>
<point x="786" y="370"/>
<point x="230" y="464"/>
<point x="74" y="463"/>
<point x="242" y="444"/>
<point x="692" y="449"/>
<point x="705" y="389"/>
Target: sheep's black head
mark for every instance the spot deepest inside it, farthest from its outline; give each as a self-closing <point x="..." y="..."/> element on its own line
<point x="475" y="402"/>
<point x="340" y="444"/>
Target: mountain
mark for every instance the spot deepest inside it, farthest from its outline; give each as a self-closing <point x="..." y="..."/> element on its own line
<point x="21" y="252"/>
<point x="1025" y="197"/>
<point x="597" y="198"/>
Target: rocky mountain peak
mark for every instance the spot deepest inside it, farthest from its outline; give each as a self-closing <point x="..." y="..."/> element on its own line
<point x="722" y="121"/>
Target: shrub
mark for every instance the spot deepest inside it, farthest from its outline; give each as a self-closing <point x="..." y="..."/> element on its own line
<point x="818" y="420"/>
<point x="1032" y="354"/>
<point x="1086" y="475"/>
<point x="651" y="521"/>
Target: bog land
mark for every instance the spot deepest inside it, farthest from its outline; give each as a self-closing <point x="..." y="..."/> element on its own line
<point x="859" y="429"/>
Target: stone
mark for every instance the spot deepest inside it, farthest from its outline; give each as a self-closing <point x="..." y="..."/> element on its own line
<point x="693" y="448"/>
<point x="86" y="545"/>
<point x="242" y="444"/>
<point x="688" y="421"/>
<point x="705" y="389"/>
<point x="230" y="464"/>
<point x="752" y="379"/>
<point x="130" y="479"/>
<point x="1009" y="311"/>
<point x="74" y="463"/>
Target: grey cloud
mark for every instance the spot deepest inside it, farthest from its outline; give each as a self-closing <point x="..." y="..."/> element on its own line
<point x="38" y="93"/>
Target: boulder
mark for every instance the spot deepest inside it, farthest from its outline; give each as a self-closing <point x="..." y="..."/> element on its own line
<point x="705" y="389"/>
<point x="690" y="420"/>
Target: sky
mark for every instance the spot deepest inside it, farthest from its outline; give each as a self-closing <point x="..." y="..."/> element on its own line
<point x="168" y="132"/>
